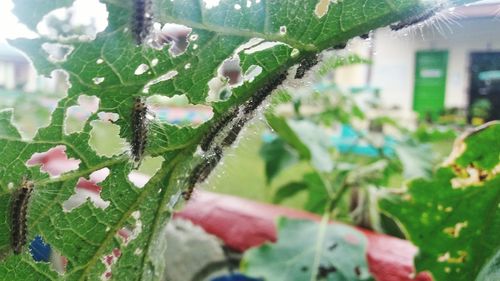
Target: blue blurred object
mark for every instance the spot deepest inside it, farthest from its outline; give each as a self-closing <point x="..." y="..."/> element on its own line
<point x="39" y="250"/>
<point x="349" y="142"/>
<point x="235" y="277"/>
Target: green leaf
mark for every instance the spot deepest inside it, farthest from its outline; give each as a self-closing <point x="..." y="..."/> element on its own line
<point x="331" y="251"/>
<point x="417" y="159"/>
<point x="316" y="141"/>
<point x="482" y="147"/>
<point x="277" y="156"/>
<point x="318" y="195"/>
<point x="288" y="190"/>
<point x="87" y="235"/>
<point x="282" y="128"/>
<point x="491" y="271"/>
<point x="453" y="217"/>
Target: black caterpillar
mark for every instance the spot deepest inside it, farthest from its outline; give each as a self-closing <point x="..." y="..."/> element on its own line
<point x="19" y="211"/>
<point x="142" y="20"/>
<point x="139" y="130"/>
<point x="237" y="118"/>
<point x="425" y="15"/>
<point x="216" y="128"/>
<point x="201" y="172"/>
<point x="305" y="65"/>
<point x="256" y="100"/>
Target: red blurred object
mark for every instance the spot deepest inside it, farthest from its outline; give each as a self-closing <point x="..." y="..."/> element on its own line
<point x="54" y="161"/>
<point x="243" y="224"/>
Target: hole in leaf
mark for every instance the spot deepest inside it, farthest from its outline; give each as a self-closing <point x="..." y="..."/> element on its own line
<point x="105" y="139"/>
<point x="261" y="47"/>
<point x="283" y="30"/>
<point x="131" y="231"/>
<point x="57" y="52"/>
<point x="98" y="80"/>
<point x="88" y="189"/>
<point x="149" y="166"/>
<point x="42" y="252"/>
<point x="455" y="230"/>
<point x="83" y="20"/>
<point x="76" y="116"/>
<point x="141" y="69"/>
<point x="54" y="161"/>
<point x="252" y="72"/>
<point x="108" y="116"/>
<point x="322" y="7"/>
<point x="209" y="4"/>
<point x="165" y="77"/>
<point x="177" y="110"/>
<point x="109" y="260"/>
<point x="229" y="75"/>
<point x="231" y="70"/>
<point x="175" y="35"/>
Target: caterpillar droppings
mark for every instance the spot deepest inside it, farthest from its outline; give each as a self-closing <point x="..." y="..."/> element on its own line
<point x="139" y="130"/>
<point x="142" y="20"/>
<point x="19" y="211"/>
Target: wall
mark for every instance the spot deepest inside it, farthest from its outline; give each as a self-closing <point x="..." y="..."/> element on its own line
<point x="394" y="59"/>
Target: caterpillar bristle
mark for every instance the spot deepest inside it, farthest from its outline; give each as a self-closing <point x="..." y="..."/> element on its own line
<point x="202" y="171"/>
<point x="216" y="128"/>
<point x="19" y="211"/>
<point x="416" y="19"/>
<point x="224" y="133"/>
<point x="142" y="20"/>
<point x="256" y="100"/>
<point x="139" y="130"/>
<point x="306" y="64"/>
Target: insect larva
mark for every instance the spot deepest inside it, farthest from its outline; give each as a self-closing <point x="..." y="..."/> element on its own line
<point x="139" y="130"/>
<point x="256" y="100"/>
<point x="232" y="135"/>
<point x="216" y="128"/>
<point x="425" y="15"/>
<point x="306" y="64"/>
<point x="201" y="172"/>
<point x="141" y="20"/>
<point x="19" y="210"/>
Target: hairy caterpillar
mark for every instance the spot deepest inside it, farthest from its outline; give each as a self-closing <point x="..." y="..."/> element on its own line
<point x="416" y="19"/>
<point x="225" y="132"/>
<point x="256" y="100"/>
<point x="139" y="130"/>
<point x="216" y="128"/>
<point x="201" y="172"/>
<point x="142" y="20"/>
<point x="305" y="65"/>
<point x="19" y="210"/>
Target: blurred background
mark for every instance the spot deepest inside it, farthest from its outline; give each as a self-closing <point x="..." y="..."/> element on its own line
<point x="382" y="111"/>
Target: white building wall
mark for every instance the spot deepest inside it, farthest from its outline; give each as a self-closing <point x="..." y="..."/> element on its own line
<point x="394" y="60"/>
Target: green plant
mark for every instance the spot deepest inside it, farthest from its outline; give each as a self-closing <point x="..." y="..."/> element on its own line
<point x="105" y="67"/>
<point x="453" y="217"/>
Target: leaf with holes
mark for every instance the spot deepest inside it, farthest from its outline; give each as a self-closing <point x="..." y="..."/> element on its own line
<point x="229" y="56"/>
<point x="330" y="252"/>
<point x="454" y="217"/>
